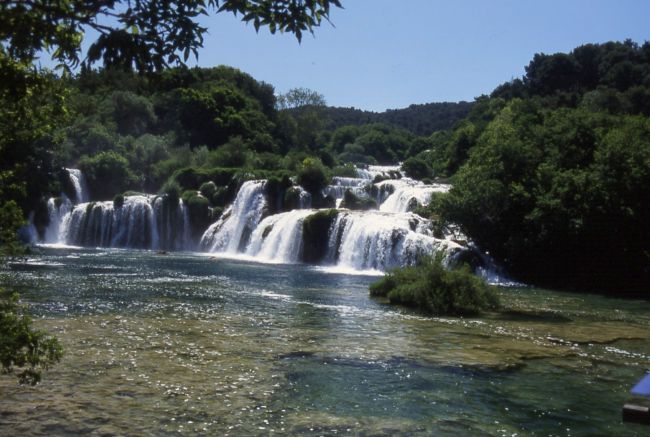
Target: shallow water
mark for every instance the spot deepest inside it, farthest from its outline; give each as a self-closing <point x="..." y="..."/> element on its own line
<point x="157" y="345"/>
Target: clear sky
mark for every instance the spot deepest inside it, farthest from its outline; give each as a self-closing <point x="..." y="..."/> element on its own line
<point x="391" y="53"/>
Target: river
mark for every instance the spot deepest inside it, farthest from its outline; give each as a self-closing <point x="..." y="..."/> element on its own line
<point x="202" y="345"/>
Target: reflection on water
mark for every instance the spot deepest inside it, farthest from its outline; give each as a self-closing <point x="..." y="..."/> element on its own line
<point x="182" y="343"/>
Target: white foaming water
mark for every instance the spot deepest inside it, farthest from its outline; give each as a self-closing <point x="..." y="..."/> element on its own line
<point x="374" y="240"/>
<point x="407" y="194"/>
<point x="79" y="183"/>
<point x="171" y="227"/>
<point x="56" y="210"/>
<point x="304" y="199"/>
<point x="377" y="170"/>
<point x="142" y="222"/>
<point x="278" y="238"/>
<point x="231" y="232"/>
<point x="340" y="184"/>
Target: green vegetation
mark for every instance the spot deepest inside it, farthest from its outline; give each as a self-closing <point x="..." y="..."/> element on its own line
<point x="312" y="176"/>
<point x="352" y="201"/>
<point x="118" y="201"/>
<point x="107" y="173"/>
<point x="554" y="171"/>
<point x="24" y="351"/>
<point x="314" y="228"/>
<point x="422" y="120"/>
<point x="433" y="289"/>
<point x="136" y="36"/>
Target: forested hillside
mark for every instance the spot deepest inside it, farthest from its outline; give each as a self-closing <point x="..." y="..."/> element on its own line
<point x="552" y="171"/>
<point x="422" y="119"/>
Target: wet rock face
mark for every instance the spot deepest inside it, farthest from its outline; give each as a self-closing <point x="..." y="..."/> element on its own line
<point x="315" y="230"/>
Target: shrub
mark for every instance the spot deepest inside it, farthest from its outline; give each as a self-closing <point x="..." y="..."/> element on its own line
<point x="208" y="189"/>
<point x="347" y="170"/>
<point x="352" y="201"/>
<point x="24" y="350"/>
<point x="173" y="191"/>
<point x="431" y="288"/>
<point x="188" y="194"/>
<point x="118" y="201"/>
<point x="215" y="213"/>
<point x="312" y="175"/>
<point x="416" y="168"/>
<point x="107" y="173"/>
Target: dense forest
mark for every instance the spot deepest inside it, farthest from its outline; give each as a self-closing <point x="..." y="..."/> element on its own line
<point x="423" y="119"/>
<point x="550" y="172"/>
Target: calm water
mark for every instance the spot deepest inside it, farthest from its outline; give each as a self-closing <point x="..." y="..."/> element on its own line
<point x="157" y="345"/>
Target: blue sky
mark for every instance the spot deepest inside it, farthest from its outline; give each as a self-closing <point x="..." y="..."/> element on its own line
<point x="391" y="53"/>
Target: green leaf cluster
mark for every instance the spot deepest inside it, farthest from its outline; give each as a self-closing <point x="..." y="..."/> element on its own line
<point x="24" y="351"/>
<point x="435" y="290"/>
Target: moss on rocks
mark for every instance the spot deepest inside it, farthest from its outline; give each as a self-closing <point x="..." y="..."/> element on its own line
<point x="352" y="201"/>
<point x="118" y="201"/>
<point x="315" y="229"/>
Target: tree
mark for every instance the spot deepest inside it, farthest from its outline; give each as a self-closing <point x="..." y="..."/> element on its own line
<point x="146" y="34"/>
<point x="307" y="107"/>
<point x="24" y="351"/>
<point x="299" y="97"/>
<point x="107" y="173"/>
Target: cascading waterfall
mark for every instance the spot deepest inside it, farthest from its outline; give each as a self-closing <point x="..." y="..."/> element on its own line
<point x="369" y="240"/>
<point x="278" y="238"/>
<point x="59" y="207"/>
<point x="373" y="240"/>
<point x="232" y="231"/>
<point x="405" y="194"/>
<point x="355" y="240"/>
<point x="340" y="184"/>
<point x="372" y="171"/>
<point x="142" y="222"/>
<point x="304" y="198"/>
<point x="78" y="181"/>
<point x="172" y="226"/>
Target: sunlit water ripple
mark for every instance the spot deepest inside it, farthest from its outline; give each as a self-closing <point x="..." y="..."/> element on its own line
<point x="158" y="345"/>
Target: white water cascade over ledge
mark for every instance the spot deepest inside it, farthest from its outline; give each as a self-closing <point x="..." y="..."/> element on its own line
<point x="354" y="241"/>
<point x="141" y="221"/>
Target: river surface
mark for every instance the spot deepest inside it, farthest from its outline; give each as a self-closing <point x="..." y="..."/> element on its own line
<point x="192" y="344"/>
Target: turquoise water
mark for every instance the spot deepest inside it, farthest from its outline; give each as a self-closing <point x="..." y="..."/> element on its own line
<point x="162" y="344"/>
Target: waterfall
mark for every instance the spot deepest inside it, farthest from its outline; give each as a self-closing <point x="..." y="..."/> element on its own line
<point x="406" y="194"/>
<point x="232" y="232"/>
<point x="380" y="241"/>
<point x="278" y="238"/>
<point x="372" y="171"/>
<point x="348" y="239"/>
<point x="142" y="222"/>
<point x="340" y="184"/>
<point x="170" y="226"/>
<point x="57" y="209"/>
<point x="304" y="198"/>
<point x="78" y="181"/>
